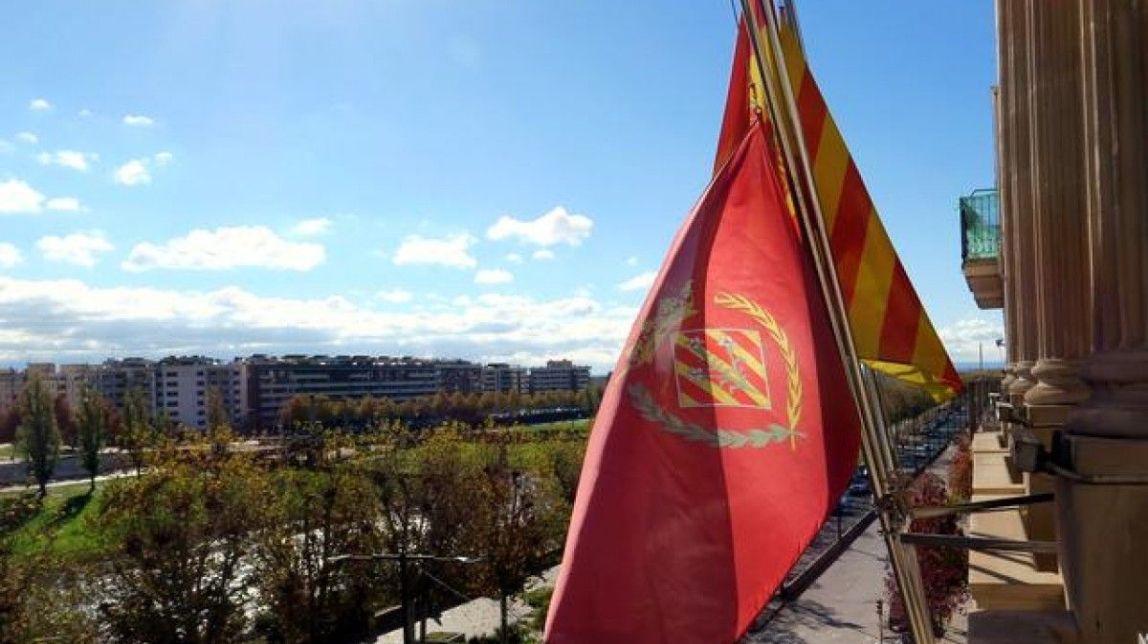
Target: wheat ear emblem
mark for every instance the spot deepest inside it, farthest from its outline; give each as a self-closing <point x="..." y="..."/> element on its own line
<point x="763" y="317"/>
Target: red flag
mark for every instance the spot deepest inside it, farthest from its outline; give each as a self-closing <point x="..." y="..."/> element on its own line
<point x="725" y="436"/>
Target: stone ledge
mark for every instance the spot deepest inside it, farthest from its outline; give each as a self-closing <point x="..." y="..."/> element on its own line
<point x="1009" y="627"/>
<point x="989" y="443"/>
<point x="993" y="474"/>
<point x="1009" y="580"/>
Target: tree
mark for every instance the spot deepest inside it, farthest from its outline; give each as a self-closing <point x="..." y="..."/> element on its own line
<point x="385" y="409"/>
<point x="182" y="570"/>
<point x="316" y="517"/>
<point x="10" y="423"/>
<point x="93" y="429"/>
<point x="39" y="434"/>
<point x="219" y="432"/>
<point x="566" y="461"/>
<point x="138" y="434"/>
<point x="449" y="488"/>
<point x="521" y="522"/>
<point x="294" y="411"/>
<point x="114" y="422"/>
<point x="404" y="525"/>
<point x="65" y="419"/>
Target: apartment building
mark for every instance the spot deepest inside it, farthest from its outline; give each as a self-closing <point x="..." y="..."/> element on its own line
<point x="11" y="385"/>
<point x="458" y="376"/>
<point x="115" y="378"/>
<point x="184" y="386"/>
<point x="253" y="390"/>
<point x="559" y="375"/>
<point x="71" y="380"/>
<point x="66" y="380"/>
<point x="272" y="381"/>
<point x="501" y="377"/>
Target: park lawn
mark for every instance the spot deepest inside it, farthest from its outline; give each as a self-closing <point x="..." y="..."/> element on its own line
<point x="62" y="528"/>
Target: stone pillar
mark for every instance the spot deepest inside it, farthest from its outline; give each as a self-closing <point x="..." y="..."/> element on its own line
<point x="1060" y="223"/>
<point x="1060" y="227"/>
<point x="1002" y="103"/>
<point x="1105" y="527"/>
<point x="1017" y="193"/>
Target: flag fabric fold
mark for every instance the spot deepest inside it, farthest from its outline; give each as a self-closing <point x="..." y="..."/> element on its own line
<point x="725" y="436"/>
<point x="890" y="328"/>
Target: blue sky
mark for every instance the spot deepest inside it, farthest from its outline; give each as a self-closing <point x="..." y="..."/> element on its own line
<point x="485" y="179"/>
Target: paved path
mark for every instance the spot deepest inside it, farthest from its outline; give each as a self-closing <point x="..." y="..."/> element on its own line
<point x="14" y="489"/>
<point x="475" y="618"/>
<point x="841" y="606"/>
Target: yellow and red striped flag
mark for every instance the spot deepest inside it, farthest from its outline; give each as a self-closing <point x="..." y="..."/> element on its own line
<point x="891" y="330"/>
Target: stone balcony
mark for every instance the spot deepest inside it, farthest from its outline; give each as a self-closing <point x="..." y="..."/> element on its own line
<point x="980" y="247"/>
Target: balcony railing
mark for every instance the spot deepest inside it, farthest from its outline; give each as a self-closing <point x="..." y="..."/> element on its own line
<point x="980" y="226"/>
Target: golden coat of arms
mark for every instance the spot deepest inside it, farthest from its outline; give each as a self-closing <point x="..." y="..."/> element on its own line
<point x="718" y="367"/>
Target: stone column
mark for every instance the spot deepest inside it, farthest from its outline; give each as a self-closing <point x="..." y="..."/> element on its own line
<point x="1002" y="104"/>
<point x="1060" y="239"/>
<point x="1105" y="527"/>
<point x="1017" y="185"/>
<point x="1060" y="222"/>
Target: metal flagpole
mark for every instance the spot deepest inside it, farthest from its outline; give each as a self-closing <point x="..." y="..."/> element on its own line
<point x="787" y="126"/>
<point x="890" y="503"/>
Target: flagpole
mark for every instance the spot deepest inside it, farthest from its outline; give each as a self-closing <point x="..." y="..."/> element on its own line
<point x="787" y="126"/>
<point x="890" y="504"/>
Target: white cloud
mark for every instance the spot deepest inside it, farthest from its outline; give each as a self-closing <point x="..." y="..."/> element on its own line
<point x="452" y="251"/>
<point x="81" y="249"/>
<point x="639" y="282"/>
<point x="17" y="197"/>
<point x="396" y="296"/>
<point x="226" y="248"/>
<point x="163" y="158"/>
<point x="69" y="320"/>
<point x="67" y="159"/>
<point x="311" y="227"/>
<point x="554" y="227"/>
<point x="39" y="105"/>
<point x="85" y="113"/>
<point x="542" y="254"/>
<point x="493" y="276"/>
<point x="138" y="120"/>
<point x="64" y="204"/>
<point x="964" y="339"/>
<point x="133" y="173"/>
<point x="9" y="255"/>
<point x="28" y="137"/>
<point x="514" y="258"/>
<point x="633" y="261"/>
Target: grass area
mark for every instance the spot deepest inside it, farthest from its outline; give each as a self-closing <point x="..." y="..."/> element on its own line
<point x="62" y="527"/>
<point x="539" y="601"/>
<point x="7" y="450"/>
<point x="533" y="455"/>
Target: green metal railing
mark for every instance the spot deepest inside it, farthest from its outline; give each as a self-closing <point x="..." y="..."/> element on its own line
<point x="980" y="225"/>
